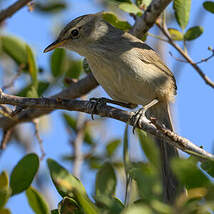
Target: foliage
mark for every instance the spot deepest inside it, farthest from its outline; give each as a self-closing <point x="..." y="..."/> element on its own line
<point x="138" y="181"/>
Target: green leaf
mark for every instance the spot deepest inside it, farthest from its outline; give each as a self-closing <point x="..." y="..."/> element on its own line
<point x="149" y="148"/>
<point x="112" y="146"/>
<point x="193" y="33"/>
<point x="189" y="174"/>
<point x="32" y="92"/>
<point x="15" y="48"/>
<point x="57" y="62"/>
<point x="42" y="87"/>
<point x="36" y="201"/>
<point x="23" y="173"/>
<point x="126" y="160"/>
<point x="182" y="11"/>
<point x="4" y="181"/>
<point x="106" y="180"/>
<point x="70" y="121"/>
<point x="86" y="204"/>
<point x="4" y="196"/>
<point x="55" y="211"/>
<point x="113" y="20"/>
<point x="208" y="166"/>
<point x="32" y="66"/>
<point x="148" y="180"/>
<point x="130" y="8"/>
<point x="69" y="205"/>
<point x="129" y="1"/>
<point x="51" y="7"/>
<point x="137" y="209"/>
<point x="64" y="182"/>
<point x="74" y="69"/>
<point x="5" y="211"/>
<point x="209" y="6"/>
<point x="175" y="34"/>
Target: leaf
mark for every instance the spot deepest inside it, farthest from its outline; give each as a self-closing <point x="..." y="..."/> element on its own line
<point x="208" y="166"/>
<point x="74" y="69"/>
<point x="86" y="204"/>
<point x="54" y="211"/>
<point x="36" y="201"/>
<point x="149" y="148"/>
<point x="112" y="146"/>
<point x="69" y="205"/>
<point x="23" y="173"/>
<point x="32" y="92"/>
<point x="64" y="182"/>
<point x="175" y="34"/>
<point x="4" y="181"/>
<point x="113" y="20"/>
<point x="189" y="174"/>
<point x="15" y="48"/>
<point x="123" y="1"/>
<point x="32" y="66"/>
<point x="130" y="8"/>
<point x="70" y="121"/>
<point x="137" y="209"/>
<point x="4" y="189"/>
<point x="182" y="11"/>
<point x="209" y="6"/>
<point x="126" y="160"/>
<point x="5" y="211"/>
<point x="42" y="87"/>
<point x="52" y="7"/>
<point x="4" y="196"/>
<point x="193" y="33"/>
<point x="105" y="180"/>
<point x="57" y="62"/>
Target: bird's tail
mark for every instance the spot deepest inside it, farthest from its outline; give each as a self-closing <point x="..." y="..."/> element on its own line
<point x="170" y="184"/>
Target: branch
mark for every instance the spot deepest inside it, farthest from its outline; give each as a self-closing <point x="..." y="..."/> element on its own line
<point x="107" y="111"/>
<point x="75" y="90"/>
<point x="186" y="56"/>
<point x="4" y="14"/>
<point x="149" y="17"/>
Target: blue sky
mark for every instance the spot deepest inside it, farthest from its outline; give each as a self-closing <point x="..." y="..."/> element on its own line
<point x="193" y="107"/>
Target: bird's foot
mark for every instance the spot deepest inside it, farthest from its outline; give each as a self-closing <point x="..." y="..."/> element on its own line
<point x="95" y="102"/>
<point x="140" y="113"/>
<point x="137" y="117"/>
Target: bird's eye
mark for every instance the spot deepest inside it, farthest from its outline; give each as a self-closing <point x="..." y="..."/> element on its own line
<point x="75" y="33"/>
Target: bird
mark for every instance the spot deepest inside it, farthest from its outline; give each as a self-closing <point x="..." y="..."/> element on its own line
<point x="131" y="72"/>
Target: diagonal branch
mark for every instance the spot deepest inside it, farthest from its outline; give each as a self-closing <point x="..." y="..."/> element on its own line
<point x="107" y="111"/>
<point x="4" y="14"/>
<point x="186" y="57"/>
<point x="75" y="90"/>
<point x="149" y="17"/>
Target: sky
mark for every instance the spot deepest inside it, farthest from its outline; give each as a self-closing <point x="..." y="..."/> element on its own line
<point x="194" y="101"/>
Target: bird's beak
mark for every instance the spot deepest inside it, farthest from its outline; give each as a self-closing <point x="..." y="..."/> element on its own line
<point x="54" y="45"/>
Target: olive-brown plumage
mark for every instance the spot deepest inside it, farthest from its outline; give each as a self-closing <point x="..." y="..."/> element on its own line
<point x="129" y="71"/>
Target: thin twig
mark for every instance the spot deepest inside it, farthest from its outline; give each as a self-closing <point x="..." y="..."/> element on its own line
<point x="11" y="83"/>
<point x="5" y="138"/>
<point x="36" y="125"/>
<point x="107" y="111"/>
<point x="4" y="14"/>
<point x="187" y="57"/>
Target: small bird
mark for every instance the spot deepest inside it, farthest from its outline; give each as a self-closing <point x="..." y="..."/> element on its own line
<point x="131" y="72"/>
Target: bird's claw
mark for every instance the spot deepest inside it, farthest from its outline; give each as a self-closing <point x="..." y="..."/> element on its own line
<point x="96" y="101"/>
<point x="136" y="118"/>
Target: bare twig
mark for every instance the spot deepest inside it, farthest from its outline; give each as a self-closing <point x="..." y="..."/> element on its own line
<point x="77" y="145"/>
<point x="75" y="90"/>
<point x="11" y="83"/>
<point x="186" y="57"/>
<point x="36" y="125"/>
<point x="4" y="14"/>
<point x="107" y="111"/>
<point x="6" y="137"/>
